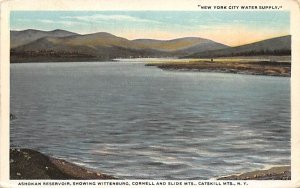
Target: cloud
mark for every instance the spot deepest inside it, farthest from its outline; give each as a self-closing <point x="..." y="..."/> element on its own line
<point x="49" y="21"/>
<point x="69" y="23"/>
<point x="23" y="20"/>
<point x="102" y="18"/>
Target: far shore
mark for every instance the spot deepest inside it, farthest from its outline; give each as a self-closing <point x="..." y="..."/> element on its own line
<point x="30" y="164"/>
<point x="267" y="68"/>
<point x="250" y="65"/>
<point x="45" y="59"/>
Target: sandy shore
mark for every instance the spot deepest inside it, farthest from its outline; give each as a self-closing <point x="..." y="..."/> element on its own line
<point x="268" y="68"/>
<point x="30" y="164"/>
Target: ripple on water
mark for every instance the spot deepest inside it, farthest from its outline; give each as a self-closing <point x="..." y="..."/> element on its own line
<point x="141" y="122"/>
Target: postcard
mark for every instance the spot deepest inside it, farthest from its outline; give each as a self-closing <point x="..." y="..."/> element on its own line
<point x="129" y="93"/>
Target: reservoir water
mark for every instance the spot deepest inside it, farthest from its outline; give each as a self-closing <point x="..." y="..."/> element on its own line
<point x="136" y="122"/>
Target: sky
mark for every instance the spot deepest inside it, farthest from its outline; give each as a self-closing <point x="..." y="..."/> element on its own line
<point x="232" y="28"/>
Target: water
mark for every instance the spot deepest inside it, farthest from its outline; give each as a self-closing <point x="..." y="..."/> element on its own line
<point x="138" y="122"/>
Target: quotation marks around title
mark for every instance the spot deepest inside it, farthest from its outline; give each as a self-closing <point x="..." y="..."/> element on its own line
<point x="205" y="7"/>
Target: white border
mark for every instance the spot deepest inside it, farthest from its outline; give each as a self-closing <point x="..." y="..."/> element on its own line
<point x="6" y="6"/>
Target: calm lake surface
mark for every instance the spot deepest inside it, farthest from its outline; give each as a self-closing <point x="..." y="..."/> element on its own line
<point x="134" y="122"/>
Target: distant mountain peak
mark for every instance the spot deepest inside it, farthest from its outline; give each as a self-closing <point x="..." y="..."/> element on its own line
<point x="58" y="30"/>
<point x="61" y="31"/>
<point x="102" y="34"/>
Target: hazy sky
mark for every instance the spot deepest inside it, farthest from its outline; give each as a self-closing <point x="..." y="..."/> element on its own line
<point x="227" y="27"/>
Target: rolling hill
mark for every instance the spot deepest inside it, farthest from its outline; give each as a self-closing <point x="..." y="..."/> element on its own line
<point x="101" y="46"/>
<point x="273" y="46"/>
<point x="19" y="38"/>
<point x="187" y="45"/>
<point x="97" y="46"/>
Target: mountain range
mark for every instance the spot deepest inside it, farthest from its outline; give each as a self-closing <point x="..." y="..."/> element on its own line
<point x="60" y="45"/>
<point x="273" y="46"/>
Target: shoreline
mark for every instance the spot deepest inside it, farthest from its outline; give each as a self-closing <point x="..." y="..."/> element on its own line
<point x="272" y="173"/>
<point x="279" y="67"/>
<point x="30" y="164"/>
<point x="265" y="68"/>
